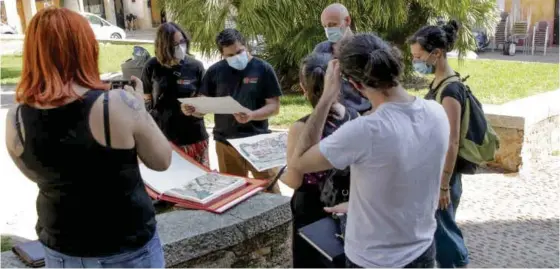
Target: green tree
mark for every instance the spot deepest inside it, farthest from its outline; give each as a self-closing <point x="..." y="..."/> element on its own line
<point x="291" y="28"/>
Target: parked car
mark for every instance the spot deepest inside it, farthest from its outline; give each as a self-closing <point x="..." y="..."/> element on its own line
<point x="104" y="29"/>
<point x="6" y="29"/>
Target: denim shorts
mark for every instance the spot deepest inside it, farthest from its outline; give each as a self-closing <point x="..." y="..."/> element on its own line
<point x="148" y="256"/>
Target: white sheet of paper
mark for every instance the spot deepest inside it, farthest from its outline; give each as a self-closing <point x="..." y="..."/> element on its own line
<point x="215" y="105"/>
<point x="264" y="151"/>
<point x="179" y="173"/>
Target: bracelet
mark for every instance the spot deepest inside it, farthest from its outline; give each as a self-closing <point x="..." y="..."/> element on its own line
<point x="447" y="172"/>
<point x="444" y="189"/>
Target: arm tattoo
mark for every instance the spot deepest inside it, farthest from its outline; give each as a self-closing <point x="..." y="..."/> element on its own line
<point x="139" y="109"/>
<point x="132" y="103"/>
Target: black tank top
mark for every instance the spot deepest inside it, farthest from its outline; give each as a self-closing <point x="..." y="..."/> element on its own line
<point x="92" y="201"/>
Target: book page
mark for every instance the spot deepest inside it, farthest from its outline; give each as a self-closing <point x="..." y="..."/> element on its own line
<point x="206" y="188"/>
<point x="215" y="105"/>
<point x="263" y="151"/>
<point x="179" y="173"/>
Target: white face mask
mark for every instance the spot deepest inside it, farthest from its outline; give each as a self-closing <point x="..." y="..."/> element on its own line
<point x="334" y="34"/>
<point x="180" y="52"/>
<point x="238" y="61"/>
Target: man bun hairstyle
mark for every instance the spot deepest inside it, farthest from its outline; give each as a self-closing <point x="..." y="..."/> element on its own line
<point x="433" y="37"/>
<point x="451" y="30"/>
<point x="369" y="60"/>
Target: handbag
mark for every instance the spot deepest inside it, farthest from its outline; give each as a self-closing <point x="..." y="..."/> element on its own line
<point x="335" y="188"/>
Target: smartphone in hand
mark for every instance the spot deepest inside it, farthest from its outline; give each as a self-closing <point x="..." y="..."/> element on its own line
<point x="119" y="83"/>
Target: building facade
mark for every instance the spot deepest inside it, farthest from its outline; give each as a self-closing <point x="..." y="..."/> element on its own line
<point x="18" y="13"/>
<point x="535" y="11"/>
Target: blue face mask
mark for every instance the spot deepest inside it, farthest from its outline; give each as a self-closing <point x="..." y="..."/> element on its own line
<point x="334" y="34"/>
<point x="422" y="67"/>
<point x="238" y="61"/>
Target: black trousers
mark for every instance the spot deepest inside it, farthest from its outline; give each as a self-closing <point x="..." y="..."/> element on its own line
<point x="426" y="260"/>
<point x="306" y="209"/>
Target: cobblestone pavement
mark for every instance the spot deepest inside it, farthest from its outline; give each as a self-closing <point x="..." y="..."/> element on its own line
<point x="512" y="221"/>
<point x="508" y="220"/>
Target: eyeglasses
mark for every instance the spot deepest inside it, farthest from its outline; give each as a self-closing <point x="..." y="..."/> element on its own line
<point x="181" y="42"/>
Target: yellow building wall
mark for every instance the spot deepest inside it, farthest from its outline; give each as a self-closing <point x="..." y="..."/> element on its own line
<point x="38" y="4"/>
<point x="21" y="14"/>
<point x="41" y="4"/>
<point x="541" y="10"/>
<point x="156" y="12"/>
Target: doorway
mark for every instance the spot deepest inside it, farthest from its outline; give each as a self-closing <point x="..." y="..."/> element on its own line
<point x="119" y="12"/>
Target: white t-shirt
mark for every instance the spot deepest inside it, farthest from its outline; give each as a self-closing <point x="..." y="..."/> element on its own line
<point x="396" y="157"/>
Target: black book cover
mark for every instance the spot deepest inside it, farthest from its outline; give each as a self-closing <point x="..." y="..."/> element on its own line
<point x="325" y="236"/>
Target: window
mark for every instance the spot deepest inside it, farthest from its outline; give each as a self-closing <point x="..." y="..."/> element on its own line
<point x="105" y="23"/>
<point x="94" y="20"/>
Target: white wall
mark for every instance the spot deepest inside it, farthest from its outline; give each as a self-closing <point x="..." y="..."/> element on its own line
<point x="501" y="5"/>
<point x="75" y="5"/>
<point x="12" y="16"/>
<point x="141" y="10"/>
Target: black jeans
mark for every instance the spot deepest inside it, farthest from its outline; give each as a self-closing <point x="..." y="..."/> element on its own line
<point x="426" y="260"/>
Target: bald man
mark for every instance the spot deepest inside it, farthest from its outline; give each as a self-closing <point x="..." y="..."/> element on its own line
<point x="336" y="21"/>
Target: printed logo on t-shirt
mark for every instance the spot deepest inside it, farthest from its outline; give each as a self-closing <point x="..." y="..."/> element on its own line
<point x="248" y="80"/>
<point x="185" y="81"/>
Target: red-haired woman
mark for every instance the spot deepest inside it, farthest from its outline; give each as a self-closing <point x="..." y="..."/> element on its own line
<point x="80" y="143"/>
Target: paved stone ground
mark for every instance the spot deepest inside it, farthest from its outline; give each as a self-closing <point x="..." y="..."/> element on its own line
<point x="512" y="220"/>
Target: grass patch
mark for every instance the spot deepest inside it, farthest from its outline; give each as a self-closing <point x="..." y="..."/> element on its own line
<point x="111" y="57"/>
<point x="498" y="82"/>
<point x="5" y="243"/>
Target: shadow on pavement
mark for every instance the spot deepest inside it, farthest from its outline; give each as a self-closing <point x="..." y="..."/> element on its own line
<point x="7" y="99"/>
<point x="516" y="243"/>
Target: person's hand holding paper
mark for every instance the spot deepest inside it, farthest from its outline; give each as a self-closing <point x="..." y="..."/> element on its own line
<point x="214" y="105"/>
<point x="190" y="111"/>
<point x="243" y="117"/>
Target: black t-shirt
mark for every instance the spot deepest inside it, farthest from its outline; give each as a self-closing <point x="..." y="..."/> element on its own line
<point x="179" y="81"/>
<point x="457" y="91"/>
<point x="350" y="98"/>
<point x="250" y="87"/>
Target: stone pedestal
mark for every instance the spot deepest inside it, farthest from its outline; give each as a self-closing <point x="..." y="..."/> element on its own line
<point x="529" y="129"/>
<point x="256" y="233"/>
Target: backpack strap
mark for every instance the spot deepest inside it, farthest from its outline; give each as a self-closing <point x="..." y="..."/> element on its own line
<point x="465" y="118"/>
<point x="442" y="85"/>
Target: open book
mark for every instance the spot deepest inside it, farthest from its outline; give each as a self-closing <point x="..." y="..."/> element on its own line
<point x="191" y="185"/>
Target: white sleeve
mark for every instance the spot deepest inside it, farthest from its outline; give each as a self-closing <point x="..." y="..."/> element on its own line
<point x="345" y="146"/>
